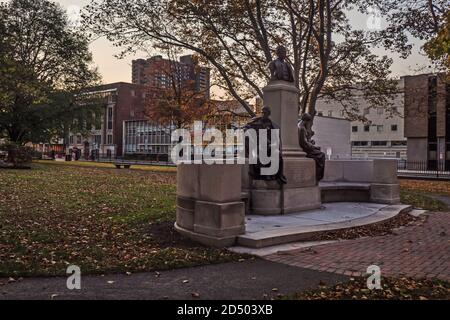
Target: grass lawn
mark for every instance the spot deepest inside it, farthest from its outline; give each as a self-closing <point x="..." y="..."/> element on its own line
<point x="108" y="220"/>
<point x="91" y="164"/>
<point x="392" y="289"/>
<point x="414" y="192"/>
<point x="419" y="200"/>
<point x="426" y="186"/>
<point x="101" y="219"/>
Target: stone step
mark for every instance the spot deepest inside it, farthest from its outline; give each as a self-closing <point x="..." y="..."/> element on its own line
<point x="276" y="236"/>
<point x="417" y="212"/>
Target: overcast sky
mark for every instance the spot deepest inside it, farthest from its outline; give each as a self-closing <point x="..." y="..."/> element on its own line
<point x="114" y="70"/>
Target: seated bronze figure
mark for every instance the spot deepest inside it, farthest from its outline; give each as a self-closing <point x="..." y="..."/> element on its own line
<point x="305" y="135"/>
<point x="264" y="122"/>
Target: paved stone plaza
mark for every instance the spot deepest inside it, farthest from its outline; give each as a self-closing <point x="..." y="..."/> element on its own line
<point x="329" y="213"/>
<point x="415" y="251"/>
<point x="265" y="231"/>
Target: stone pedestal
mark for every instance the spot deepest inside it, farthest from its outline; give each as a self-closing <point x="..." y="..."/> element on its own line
<point x="385" y="187"/>
<point x="282" y="98"/>
<point x="301" y="191"/>
<point x="210" y="209"/>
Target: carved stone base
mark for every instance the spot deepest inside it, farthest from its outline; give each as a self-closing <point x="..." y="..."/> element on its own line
<point x="298" y="194"/>
<point x="276" y="202"/>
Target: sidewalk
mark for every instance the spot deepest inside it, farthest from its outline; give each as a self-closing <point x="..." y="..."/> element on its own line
<point x="250" y="279"/>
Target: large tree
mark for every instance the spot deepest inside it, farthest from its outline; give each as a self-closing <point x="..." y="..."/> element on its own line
<point x="438" y="47"/>
<point x="44" y="64"/>
<point x="426" y="20"/>
<point x="238" y="39"/>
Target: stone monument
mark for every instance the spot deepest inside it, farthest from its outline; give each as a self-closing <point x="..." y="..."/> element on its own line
<point x="301" y="191"/>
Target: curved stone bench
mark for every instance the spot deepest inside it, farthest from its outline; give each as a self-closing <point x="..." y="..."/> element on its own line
<point x="373" y="180"/>
<point x="345" y="192"/>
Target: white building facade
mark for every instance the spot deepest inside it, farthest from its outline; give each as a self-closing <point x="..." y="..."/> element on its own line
<point x="332" y="135"/>
<point x="382" y="136"/>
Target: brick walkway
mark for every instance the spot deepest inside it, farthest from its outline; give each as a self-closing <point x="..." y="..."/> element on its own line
<point x="416" y="251"/>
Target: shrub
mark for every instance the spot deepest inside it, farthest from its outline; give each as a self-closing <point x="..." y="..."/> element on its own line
<point x="17" y="154"/>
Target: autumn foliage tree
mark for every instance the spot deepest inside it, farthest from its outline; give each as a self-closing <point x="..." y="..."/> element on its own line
<point x="426" y="20"/>
<point x="44" y="66"/>
<point x="237" y="39"/>
<point x="179" y="105"/>
<point x="438" y="47"/>
<point x="176" y="100"/>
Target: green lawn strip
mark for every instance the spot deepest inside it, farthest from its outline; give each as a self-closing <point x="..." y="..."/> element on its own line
<point x="99" y="219"/>
<point x="155" y="168"/>
<point x="422" y="201"/>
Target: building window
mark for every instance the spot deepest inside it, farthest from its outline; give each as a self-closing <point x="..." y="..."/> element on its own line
<point x="354" y="128"/>
<point x="79" y="139"/>
<point x="394" y="127"/>
<point x="110" y="118"/>
<point x="98" y="139"/>
<point x="133" y="93"/>
<point x="71" y="140"/>
<point x="342" y="113"/>
<point x="359" y="143"/>
<point x="330" y="113"/>
<point x="379" y="143"/>
<point x="366" y="111"/>
<point x="380" y="128"/>
<point x="110" y="139"/>
<point x="398" y="143"/>
<point x="366" y="128"/>
<point x="380" y="111"/>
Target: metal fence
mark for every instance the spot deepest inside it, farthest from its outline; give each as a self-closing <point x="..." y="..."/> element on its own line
<point x="111" y="157"/>
<point x="150" y="159"/>
<point x="424" y="169"/>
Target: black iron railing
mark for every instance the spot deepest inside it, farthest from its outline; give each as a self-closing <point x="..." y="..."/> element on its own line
<point x="426" y="169"/>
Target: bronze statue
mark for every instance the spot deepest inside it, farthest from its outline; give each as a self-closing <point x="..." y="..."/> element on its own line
<point x="264" y="122"/>
<point x="279" y="68"/>
<point x="305" y="135"/>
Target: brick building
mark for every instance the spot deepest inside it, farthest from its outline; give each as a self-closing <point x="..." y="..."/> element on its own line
<point x="122" y="102"/>
<point x="159" y="73"/>
<point x="427" y="119"/>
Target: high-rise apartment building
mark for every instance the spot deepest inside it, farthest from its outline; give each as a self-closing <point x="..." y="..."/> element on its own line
<point x="160" y="73"/>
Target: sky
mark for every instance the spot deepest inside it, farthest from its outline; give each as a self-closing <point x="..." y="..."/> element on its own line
<point x="115" y="70"/>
